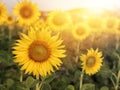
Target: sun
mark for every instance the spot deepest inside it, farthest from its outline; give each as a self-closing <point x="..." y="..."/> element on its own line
<point x="59" y="20"/>
<point x="80" y="31"/>
<point x="27" y="12"/>
<point x="39" y="52"/>
<point x="3" y="13"/>
<point x="92" y="61"/>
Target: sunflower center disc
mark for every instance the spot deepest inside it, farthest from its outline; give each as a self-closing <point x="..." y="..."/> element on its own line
<point x="80" y="31"/>
<point x="10" y="18"/>
<point x="39" y="51"/>
<point x="26" y="12"/>
<point x="90" y="61"/>
<point x="58" y="20"/>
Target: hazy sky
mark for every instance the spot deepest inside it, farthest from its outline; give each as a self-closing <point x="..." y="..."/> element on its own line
<point x="47" y="5"/>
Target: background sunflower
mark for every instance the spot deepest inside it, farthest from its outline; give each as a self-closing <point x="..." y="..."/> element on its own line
<point x="81" y="31"/>
<point x="26" y="12"/>
<point x="3" y="13"/>
<point x="59" y="20"/>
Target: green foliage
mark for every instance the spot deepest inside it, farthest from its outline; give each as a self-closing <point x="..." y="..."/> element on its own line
<point x="88" y="87"/>
<point x="104" y="88"/>
<point x="46" y="87"/>
<point x="30" y="82"/>
<point x="70" y="87"/>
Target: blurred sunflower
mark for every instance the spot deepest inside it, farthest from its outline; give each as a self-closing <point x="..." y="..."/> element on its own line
<point x="3" y="13"/>
<point x="38" y="25"/>
<point x="78" y="15"/>
<point x="118" y="28"/>
<point x="10" y="19"/>
<point x="92" y="61"/>
<point x="96" y="23"/>
<point x="81" y="31"/>
<point x="27" y="12"/>
<point x="111" y="24"/>
<point x="59" y="20"/>
<point x="39" y="52"/>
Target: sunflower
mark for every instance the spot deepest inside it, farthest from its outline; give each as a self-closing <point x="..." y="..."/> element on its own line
<point x="10" y="19"/>
<point x="80" y="31"/>
<point x="27" y="12"/>
<point x="91" y="62"/>
<point x="59" y="20"/>
<point x="78" y="15"/>
<point x="3" y="13"/>
<point x="118" y="28"/>
<point x="96" y="23"/>
<point x="111" y="24"/>
<point x="39" y="52"/>
<point x="39" y="24"/>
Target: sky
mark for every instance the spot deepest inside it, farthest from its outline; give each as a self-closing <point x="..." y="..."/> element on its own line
<point x="47" y="5"/>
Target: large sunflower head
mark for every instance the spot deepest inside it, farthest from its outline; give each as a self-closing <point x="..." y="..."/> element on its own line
<point x="92" y="61"/>
<point x="39" y="52"/>
<point x="27" y="12"/>
<point x="80" y="31"/>
<point x="59" y="20"/>
<point x="3" y="13"/>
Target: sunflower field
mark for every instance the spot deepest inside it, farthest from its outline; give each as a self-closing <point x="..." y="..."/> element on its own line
<point x="76" y="49"/>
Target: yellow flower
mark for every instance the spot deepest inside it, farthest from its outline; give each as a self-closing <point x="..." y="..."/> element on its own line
<point x="111" y="24"/>
<point x="10" y="19"/>
<point x="118" y="28"/>
<point x="92" y="61"/>
<point x="95" y="23"/>
<point x="59" y="20"/>
<point x="38" y="25"/>
<point x="78" y="15"/>
<point x="39" y="52"/>
<point x="27" y="12"/>
<point x="81" y="31"/>
<point x="3" y="13"/>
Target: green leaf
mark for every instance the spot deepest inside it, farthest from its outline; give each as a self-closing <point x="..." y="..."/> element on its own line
<point x="104" y="88"/>
<point x="29" y="81"/>
<point x="45" y="86"/>
<point x="49" y="78"/>
<point x="77" y="75"/>
<point x="70" y="87"/>
<point x="21" y="88"/>
<point x="2" y="87"/>
<point x="119" y="64"/>
<point x="88" y="87"/>
<point x="9" y="83"/>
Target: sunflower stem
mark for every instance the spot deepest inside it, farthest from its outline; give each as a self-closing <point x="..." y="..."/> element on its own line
<point x="77" y="51"/>
<point x="21" y="76"/>
<point x="81" y="80"/>
<point x="10" y="35"/>
<point x="113" y="82"/>
<point x="117" y="42"/>
<point x="37" y="85"/>
<point x="117" y="82"/>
